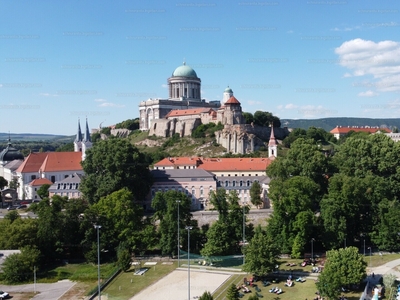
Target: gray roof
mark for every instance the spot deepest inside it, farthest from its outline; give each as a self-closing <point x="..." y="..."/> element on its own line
<point x="10" y="153"/>
<point x="171" y="174"/>
<point x="13" y="165"/>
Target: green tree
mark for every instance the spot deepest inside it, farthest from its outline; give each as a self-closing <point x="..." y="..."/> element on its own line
<point x="12" y="216"/>
<point x="43" y="191"/>
<point x="123" y="258"/>
<point x="253" y="297"/>
<point x="18" y="267"/>
<point x="166" y="206"/>
<point x="232" y="293"/>
<point x="69" y="147"/>
<point x="206" y="296"/>
<point x="260" y="254"/>
<point x="255" y="192"/>
<point x="18" y="232"/>
<point x="219" y="201"/>
<point x="264" y="118"/>
<point x="120" y="219"/>
<point x="343" y="267"/>
<point x="248" y="117"/>
<point x="114" y="164"/>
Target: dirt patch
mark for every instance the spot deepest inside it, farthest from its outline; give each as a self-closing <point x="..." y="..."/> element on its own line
<point x="77" y="292"/>
<point x="22" y="296"/>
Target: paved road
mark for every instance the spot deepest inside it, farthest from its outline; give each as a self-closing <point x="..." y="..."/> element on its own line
<point x="47" y="291"/>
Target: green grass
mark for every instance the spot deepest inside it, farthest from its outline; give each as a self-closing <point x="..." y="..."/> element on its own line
<point x="126" y="284"/>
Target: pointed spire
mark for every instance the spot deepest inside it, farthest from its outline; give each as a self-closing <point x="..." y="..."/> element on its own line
<point x="87" y="133"/>
<point x="272" y="139"/>
<point x="79" y="133"/>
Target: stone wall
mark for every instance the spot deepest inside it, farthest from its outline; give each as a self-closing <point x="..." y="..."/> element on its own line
<point x="256" y="216"/>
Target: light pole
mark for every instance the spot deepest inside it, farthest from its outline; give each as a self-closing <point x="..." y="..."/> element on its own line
<point x="244" y="232"/>
<point x="98" y="259"/>
<point x="178" y="201"/>
<point x="312" y="248"/>
<point x="188" y="228"/>
<point x="370" y="254"/>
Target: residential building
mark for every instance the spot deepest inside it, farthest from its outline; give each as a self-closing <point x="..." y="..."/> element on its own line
<point x="340" y="131"/>
<point x="33" y="186"/>
<point x="68" y="187"/>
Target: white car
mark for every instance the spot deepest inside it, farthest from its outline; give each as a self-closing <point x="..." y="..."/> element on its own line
<point x="4" y="295"/>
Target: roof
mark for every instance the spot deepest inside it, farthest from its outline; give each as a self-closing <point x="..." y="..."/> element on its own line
<point x="183" y="174"/>
<point x="235" y="164"/>
<point x="51" y="162"/>
<point x="272" y="139"/>
<point x="62" y="161"/>
<point x="184" y="71"/>
<point x="10" y="153"/>
<point x="40" y="182"/>
<point x="178" y="161"/>
<point x="345" y="130"/>
<point x="187" y="112"/>
<point x="32" y="163"/>
<point x="232" y="100"/>
<point x="13" y="165"/>
<point x="228" y="90"/>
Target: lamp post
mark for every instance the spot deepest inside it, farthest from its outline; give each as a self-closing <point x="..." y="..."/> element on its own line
<point x="370" y="254"/>
<point x="244" y="232"/>
<point x="178" y="201"/>
<point x="98" y="259"/>
<point x="312" y="248"/>
<point x="188" y="228"/>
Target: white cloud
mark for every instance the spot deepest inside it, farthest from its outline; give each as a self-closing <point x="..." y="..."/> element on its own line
<point x="291" y="106"/>
<point x="368" y="94"/>
<point x="110" y="104"/>
<point x="48" y="95"/>
<point x="100" y="100"/>
<point x="346" y="28"/>
<point x="252" y="102"/>
<point x="366" y="58"/>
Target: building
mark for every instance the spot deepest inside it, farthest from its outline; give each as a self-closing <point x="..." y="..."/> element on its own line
<point x="68" y="187"/>
<point x="184" y="92"/>
<point x="32" y="188"/>
<point x="340" y="131"/>
<point x="236" y="174"/>
<point x="10" y="160"/>
<point x="195" y="183"/>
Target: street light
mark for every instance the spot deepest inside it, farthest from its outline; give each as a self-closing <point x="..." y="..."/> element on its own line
<point x="98" y="259"/>
<point x="178" y="201"/>
<point x="370" y="254"/>
<point x="312" y="248"/>
<point x="244" y="232"/>
<point x="188" y="228"/>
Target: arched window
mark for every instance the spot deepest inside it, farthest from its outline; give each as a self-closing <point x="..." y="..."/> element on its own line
<point x="227" y="183"/>
<point x="201" y="191"/>
<point x="248" y="182"/>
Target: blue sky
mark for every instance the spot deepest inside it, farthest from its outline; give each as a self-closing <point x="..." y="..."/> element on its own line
<point x="61" y="61"/>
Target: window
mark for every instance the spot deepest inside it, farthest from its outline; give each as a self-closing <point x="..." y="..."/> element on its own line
<point x="248" y="182"/>
<point x="227" y="183"/>
<point x="234" y="183"/>
<point x="35" y="189"/>
<point x="241" y="183"/>
<point x="53" y="179"/>
<point x="193" y="191"/>
<point x="65" y="176"/>
<point x="201" y="191"/>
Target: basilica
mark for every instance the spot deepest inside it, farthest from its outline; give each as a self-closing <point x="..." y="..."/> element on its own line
<point x="185" y="110"/>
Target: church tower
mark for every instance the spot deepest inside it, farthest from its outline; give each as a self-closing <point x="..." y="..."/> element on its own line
<point x="272" y="145"/>
<point x="228" y="93"/>
<point x="86" y="142"/>
<point x="78" y="139"/>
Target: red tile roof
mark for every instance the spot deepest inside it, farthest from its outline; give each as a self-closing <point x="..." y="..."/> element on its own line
<point x="235" y="164"/>
<point x="51" y="162"/>
<point x="187" y="112"/>
<point x="345" y="130"/>
<point x="62" y="161"/>
<point x="40" y="181"/>
<point x="232" y="100"/>
<point x="32" y="163"/>
<point x="178" y="161"/>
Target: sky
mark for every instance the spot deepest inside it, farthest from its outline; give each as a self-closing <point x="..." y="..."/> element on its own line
<point x="64" y="61"/>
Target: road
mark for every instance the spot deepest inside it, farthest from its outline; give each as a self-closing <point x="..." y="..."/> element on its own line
<point x="46" y="291"/>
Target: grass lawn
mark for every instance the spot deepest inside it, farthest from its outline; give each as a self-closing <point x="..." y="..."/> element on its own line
<point x="126" y="285"/>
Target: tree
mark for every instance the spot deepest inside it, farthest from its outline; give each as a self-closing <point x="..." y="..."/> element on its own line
<point x="123" y="258"/>
<point x="114" y="164"/>
<point x="3" y="182"/>
<point x="18" y="267"/>
<point x="248" y="117"/>
<point x="343" y="267"/>
<point x="255" y="192"/>
<point x="253" y="297"/>
<point x="218" y="200"/>
<point x="206" y="296"/>
<point x="232" y="293"/>
<point x="43" y="191"/>
<point x="120" y="218"/>
<point x="264" y="118"/>
<point x="389" y="281"/>
<point x="261" y="254"/>
<point x="166" y="207"/>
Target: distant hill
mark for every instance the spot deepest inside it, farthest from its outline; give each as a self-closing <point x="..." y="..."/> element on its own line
<point x="329" y="123"/>
<point x="34" y="137"/>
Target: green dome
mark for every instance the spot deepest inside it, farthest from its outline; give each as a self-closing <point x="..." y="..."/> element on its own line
<point x="228" y="90"/>
<point x="184" y="71"/>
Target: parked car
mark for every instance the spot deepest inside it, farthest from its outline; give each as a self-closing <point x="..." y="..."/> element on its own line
<point x="25" y="202"/>
<point x="11" y="208"/>
<point x="4" y="295"/>
<point x="21" y="207"/>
